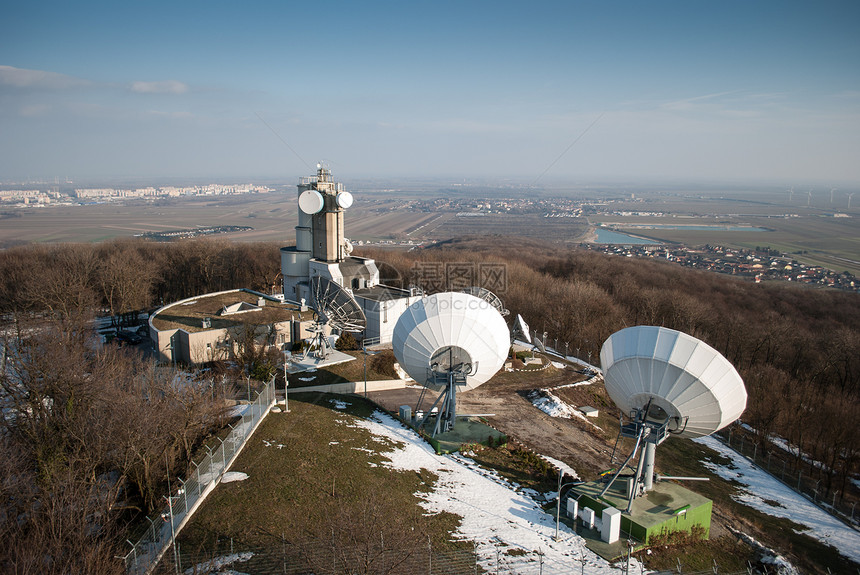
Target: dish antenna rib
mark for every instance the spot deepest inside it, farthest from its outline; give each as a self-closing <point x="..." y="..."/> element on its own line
<point x="334" y="307"/>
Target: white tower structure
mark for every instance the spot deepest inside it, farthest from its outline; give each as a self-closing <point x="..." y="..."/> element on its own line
<point x="320" y="239"/>
<point x="321" y="250"/>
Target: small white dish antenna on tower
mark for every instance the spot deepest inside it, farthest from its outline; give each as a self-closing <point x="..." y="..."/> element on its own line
<point x="344" y="200"/>
<point x="311" y="202"/>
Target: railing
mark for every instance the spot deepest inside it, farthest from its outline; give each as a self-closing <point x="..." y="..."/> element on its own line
<point x="181" y="505"/>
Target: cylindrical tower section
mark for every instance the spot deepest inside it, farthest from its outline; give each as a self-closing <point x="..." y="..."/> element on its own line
<point x="304" y="239"/>
<point x="294" y="268"/>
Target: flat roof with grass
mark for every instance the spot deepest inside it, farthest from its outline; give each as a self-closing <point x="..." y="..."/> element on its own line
<point x="189" y="314"/>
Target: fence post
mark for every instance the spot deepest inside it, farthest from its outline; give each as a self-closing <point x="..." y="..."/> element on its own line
<point x="197" y="473"/>
<point x="184" y="493"/>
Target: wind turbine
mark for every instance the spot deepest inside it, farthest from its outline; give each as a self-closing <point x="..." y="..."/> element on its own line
<point x="791" y="194"/>
<point x="809" y="198"/>
<point x="849" y="199"/>
<point x="831" y="194"/>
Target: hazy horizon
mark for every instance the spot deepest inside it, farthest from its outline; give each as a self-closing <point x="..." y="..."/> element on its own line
<point x="765" y="92"/>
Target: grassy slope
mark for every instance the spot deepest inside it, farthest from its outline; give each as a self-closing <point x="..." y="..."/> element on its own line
<point x="325" y="472"/>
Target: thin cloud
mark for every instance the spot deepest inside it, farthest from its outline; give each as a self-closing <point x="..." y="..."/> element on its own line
<point x="163" y="87"/>
<point x="37" y="79"/>
<point x="690" y="103"/>
<point x="34" y="110"/>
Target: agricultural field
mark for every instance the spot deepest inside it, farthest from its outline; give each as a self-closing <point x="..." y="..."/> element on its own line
<point x="827" y="234"/>
<point x="811" y="228"/>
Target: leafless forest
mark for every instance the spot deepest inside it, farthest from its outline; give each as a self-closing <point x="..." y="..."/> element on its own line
<point x="89" y="432"/>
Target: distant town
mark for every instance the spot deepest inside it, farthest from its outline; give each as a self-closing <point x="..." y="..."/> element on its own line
<point x="762" y="264"/>
<point x="36" y="198"/>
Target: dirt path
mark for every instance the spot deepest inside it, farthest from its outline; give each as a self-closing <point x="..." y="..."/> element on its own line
<point x="573" y="441"/>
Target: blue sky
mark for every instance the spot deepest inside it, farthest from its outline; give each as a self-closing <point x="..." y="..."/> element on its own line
<point x="684" y="90"/>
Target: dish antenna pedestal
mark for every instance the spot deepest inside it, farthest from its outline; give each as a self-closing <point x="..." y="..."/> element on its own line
<point x="450" y="368"/>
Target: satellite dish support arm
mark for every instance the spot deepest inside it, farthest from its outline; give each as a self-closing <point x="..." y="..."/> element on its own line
<point x="639" y="437"/>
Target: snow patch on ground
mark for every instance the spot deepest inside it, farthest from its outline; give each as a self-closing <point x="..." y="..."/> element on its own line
<point x="307" y="378"/>
<point x="231" y="476"/>
<point x="238" y="410"/>
<point x="561" y="466"/>
<point x="497" y="515"/>
<point x="215" y="566"/>
<point x="554" y="406"/>
<point x="558" y="364"/>
<point x="760" y="490"/>
<point x="771" y="557"/>
<point x="339" y="404"/>
<point x="551" y="405"/>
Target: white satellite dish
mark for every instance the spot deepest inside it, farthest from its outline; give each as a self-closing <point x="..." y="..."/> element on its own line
<point x="344" y="200"/>
<point x="335" y="307"/>
<point x="697" y="388"/>
<point x="451" y="342"/>
<point x="311" y="202"/>
<point x="667" y="382"/>
<point x="521" y="329"/>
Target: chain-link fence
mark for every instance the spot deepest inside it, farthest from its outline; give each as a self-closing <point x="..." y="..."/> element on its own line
<point x="803" y="476"/>
<point x="179" y="506"/>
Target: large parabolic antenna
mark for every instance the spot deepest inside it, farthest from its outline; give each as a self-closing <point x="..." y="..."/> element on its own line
<point x="697" y="388"/>
<point x="336" y="308"/>
<point x="450" y="342"/>
<point x="667" y="382"/>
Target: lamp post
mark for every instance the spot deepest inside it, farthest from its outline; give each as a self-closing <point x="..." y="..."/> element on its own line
<point x="558" y="501"/>
<point x="286" y="383"/>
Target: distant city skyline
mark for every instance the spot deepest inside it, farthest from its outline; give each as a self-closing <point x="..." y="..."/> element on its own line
<point x="723" y="91"/>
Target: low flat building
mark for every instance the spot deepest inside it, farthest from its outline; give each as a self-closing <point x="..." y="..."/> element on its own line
<point x="215" y="326"/>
